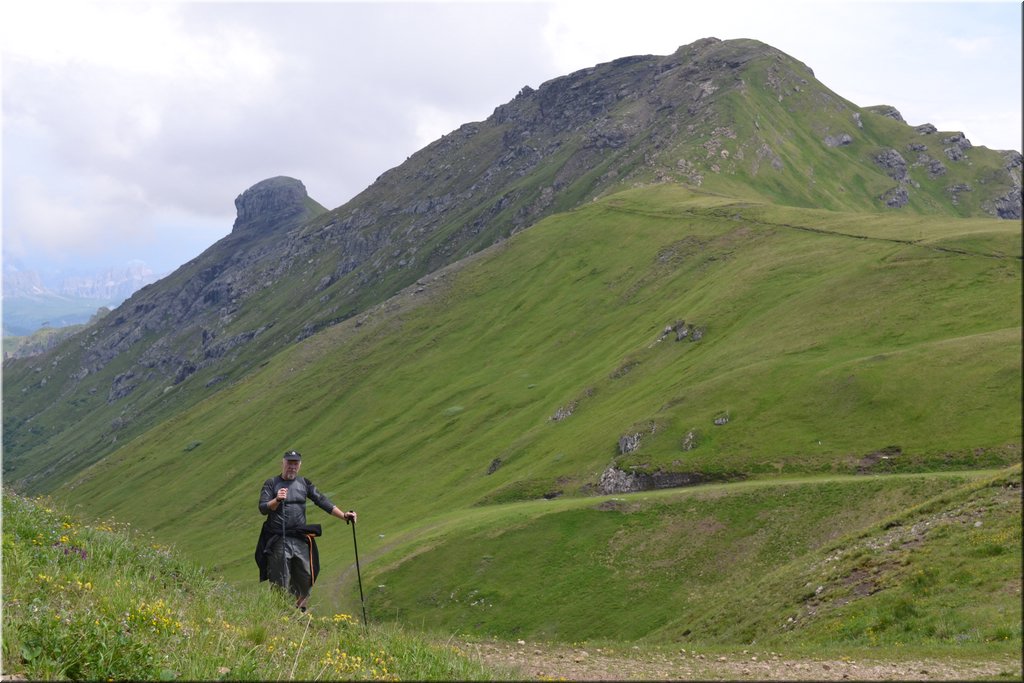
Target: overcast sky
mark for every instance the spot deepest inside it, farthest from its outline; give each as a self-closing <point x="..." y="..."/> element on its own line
<point x="130" y="127"/>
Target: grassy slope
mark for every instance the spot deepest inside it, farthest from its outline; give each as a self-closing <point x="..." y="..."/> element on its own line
<point x="768" y="142"/>
<point x="401" y="411"/>
<point x="102" y="603"/>
<point x="921" y="560"/>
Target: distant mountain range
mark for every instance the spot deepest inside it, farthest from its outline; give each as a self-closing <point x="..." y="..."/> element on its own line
<point x="31" y="303"/>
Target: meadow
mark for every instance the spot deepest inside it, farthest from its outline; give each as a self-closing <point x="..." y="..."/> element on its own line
<point x="104" y="602"/>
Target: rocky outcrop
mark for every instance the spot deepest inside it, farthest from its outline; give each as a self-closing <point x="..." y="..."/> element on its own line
<point x="887" y="111"/>
<point x="1008" y="206"/>
<point x="614" y="480"/>
<point x="274" y="203"/>
<point x="682" y="330"/>
<point x="957" y="147"/>
<point x="893" y="163"/>
<point x="934" y="167"/>
<point x="839" y="140"/>
<point x="629" y="442"/>
<point x="564" y="412"/>
<point x="896" y="197"/>
<point x="895" y="166"/>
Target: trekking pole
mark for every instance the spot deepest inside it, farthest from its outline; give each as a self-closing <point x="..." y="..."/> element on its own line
<point x="284" y="549"/>
<point x="359" y="575"/>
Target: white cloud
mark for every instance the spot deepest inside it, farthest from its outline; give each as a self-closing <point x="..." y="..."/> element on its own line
<point x="971" y="46"/>
<point x="141" y="38"/>
<point x="77" y="218"/>
<point x="431" y="122"/>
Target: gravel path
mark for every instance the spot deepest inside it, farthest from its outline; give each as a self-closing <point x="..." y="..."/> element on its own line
<point x="542" y="661"/>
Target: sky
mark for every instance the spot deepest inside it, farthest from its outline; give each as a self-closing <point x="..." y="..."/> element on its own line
<point x="129" y="128"/>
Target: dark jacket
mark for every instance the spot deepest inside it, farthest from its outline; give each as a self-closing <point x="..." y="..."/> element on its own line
<point x="300" y="490"/>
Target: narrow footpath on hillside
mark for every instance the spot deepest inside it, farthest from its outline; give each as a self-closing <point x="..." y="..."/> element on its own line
<point x="546" y="662"/>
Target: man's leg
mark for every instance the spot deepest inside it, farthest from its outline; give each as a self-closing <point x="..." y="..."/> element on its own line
<point x="300" y="572"/>
<point x="278" y="570"/>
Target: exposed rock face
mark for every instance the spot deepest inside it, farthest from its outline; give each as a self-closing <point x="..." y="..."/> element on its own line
<point x="888" y="111"/>
<point x="893" y="163"/>
<point x="682" y="331"/>
<point x="1009" y="205"/>
<point x="122" y="386"/>
<point x="614" y="480"/>
<point x="935" y="167"/>
<point x="958" y="146"/>
<point x="895" y="167"/>
<point x="896" y="197"/>
<point x="564" y="412"/>
<point x="629" y="443"/>
<point x="269" y="203"/>
<point x="839" y="140"/>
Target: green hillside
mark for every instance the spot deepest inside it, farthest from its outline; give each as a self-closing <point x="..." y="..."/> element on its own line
<point x="103" y="603"/>
<point x="736" y="117"/>
<point x="834" y="563"/>
<point x="836" y="344"/>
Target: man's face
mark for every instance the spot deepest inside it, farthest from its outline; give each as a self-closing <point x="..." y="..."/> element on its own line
<point x="290" y="468"/>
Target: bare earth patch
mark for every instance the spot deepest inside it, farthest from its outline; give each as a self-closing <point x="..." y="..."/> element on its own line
<point x="543" y="661"/>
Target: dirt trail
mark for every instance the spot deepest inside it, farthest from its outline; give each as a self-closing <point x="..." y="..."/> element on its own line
<point x="542" y="661"/>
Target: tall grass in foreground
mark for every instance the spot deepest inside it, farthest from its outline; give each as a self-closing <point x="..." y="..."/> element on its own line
<point x="100" y="602"/>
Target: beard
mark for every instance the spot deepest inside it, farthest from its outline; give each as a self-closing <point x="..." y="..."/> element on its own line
<point x="289" y="476"/>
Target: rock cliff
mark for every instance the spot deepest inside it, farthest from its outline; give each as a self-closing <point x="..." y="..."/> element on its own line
<point x="275" y="203"/>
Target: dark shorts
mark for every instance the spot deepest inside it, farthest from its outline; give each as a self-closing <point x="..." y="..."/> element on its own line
<point x="291" y="568"/>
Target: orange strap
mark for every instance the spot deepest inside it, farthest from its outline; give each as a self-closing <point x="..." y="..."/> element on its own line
<point x="312" y="570"/>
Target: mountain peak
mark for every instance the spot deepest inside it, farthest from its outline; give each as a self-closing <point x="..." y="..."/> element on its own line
<point x="270" y="203"/>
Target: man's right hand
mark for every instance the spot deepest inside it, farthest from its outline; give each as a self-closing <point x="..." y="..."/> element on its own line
<point x="282" y="494"/>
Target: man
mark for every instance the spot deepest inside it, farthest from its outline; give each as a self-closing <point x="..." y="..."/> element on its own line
<point x="286" y="552"/>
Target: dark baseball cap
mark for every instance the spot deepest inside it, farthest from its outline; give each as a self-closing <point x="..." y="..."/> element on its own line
<point x="293" y="455"/>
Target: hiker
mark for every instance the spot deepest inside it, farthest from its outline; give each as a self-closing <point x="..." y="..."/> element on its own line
<point x="293" y="563"/>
